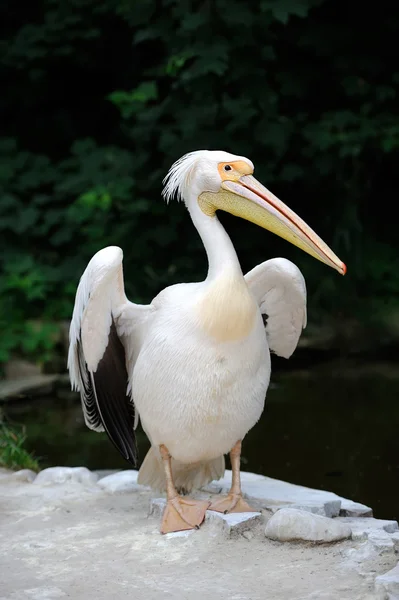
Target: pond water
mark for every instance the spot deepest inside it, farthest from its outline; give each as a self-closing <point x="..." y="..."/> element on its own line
<point x="334" y="426"/>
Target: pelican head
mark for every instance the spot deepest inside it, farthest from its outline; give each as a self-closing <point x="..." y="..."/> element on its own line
<point x="217" y="180"/>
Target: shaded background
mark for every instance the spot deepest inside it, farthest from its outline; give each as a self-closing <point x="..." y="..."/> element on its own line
<point x="99" y="97"/>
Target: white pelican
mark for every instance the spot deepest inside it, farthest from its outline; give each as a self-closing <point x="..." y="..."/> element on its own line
<point x="195" y="363"/>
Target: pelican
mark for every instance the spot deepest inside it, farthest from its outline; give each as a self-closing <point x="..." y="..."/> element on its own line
<point x="194" y="365"/>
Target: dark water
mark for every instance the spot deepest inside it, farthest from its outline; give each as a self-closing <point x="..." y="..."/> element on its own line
<point x="334" y="426"/>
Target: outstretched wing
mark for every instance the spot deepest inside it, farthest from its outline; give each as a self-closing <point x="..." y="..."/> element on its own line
<point x="98" y="340"/>
<point x="280" y="290"/>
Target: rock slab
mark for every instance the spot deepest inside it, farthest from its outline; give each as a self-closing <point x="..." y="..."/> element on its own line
<point x="291" y="524"/>
<point x="274" y="494"/>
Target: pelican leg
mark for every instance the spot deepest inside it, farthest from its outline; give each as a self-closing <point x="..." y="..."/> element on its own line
<point x="234" y="501"/>
<point x="180" y="513"/>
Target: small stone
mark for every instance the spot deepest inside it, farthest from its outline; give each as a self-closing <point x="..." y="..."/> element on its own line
<point x="291" y="524"/>
<point x="123" y="481"/>
<point x="59" y="475"/>
<point x="389" y="582"/>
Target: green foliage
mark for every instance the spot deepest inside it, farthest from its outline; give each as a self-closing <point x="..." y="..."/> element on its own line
<point x="12" y="452"/>
<point x="102" y="96"/>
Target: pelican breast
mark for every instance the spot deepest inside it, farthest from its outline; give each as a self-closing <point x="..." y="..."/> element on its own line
<point x="226" y="310"/>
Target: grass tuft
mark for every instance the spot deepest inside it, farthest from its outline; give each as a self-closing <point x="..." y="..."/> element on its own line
<point x="13" y="455"/>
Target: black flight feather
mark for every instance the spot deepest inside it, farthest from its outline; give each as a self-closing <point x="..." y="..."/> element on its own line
<point x="104" y="396"/>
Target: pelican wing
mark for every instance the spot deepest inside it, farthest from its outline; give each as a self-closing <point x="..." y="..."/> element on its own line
<point x="100" y="350"/>
<point x="279" y="288"/>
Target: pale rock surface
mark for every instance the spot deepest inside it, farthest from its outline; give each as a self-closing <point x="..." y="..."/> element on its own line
<point x="290" y="524"/>
<point x="70" y="537"/>
<point x="61" y="475"/>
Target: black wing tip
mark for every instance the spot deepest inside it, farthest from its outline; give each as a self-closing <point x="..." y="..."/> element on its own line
<point x="132" y="459"/>
<point x="125" y="444"/>
<point x="105" y="398"/>
<point x="131" y="456"/>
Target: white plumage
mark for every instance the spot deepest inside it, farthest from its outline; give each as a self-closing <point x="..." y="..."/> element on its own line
<point x="195" y="363"/>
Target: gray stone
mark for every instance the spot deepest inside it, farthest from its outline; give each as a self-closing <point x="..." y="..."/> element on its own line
<point x="291" y="524"/>
<point x="122" y="481"/>
<point x="389" y="582"/>
<point x="60" y="475"/>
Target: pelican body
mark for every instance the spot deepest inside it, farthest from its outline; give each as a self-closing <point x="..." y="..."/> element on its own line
<point x="194" y="365"/>
<point x="211" y="381"/>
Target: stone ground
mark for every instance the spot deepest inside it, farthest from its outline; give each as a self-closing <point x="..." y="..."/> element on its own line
<point x="70" y="533"/>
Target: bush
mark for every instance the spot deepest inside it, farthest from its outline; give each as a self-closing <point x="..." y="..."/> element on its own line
<point x="100" y="99"/>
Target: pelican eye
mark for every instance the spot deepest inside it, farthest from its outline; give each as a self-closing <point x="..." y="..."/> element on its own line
<point x="227" y="167"/>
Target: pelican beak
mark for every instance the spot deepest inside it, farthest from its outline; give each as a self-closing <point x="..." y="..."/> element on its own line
<point x="267" y="211"/>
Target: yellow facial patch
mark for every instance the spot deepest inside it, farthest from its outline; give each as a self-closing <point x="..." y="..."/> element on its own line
<point x="237" y="169"/>
<point x="228" y="171"/>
